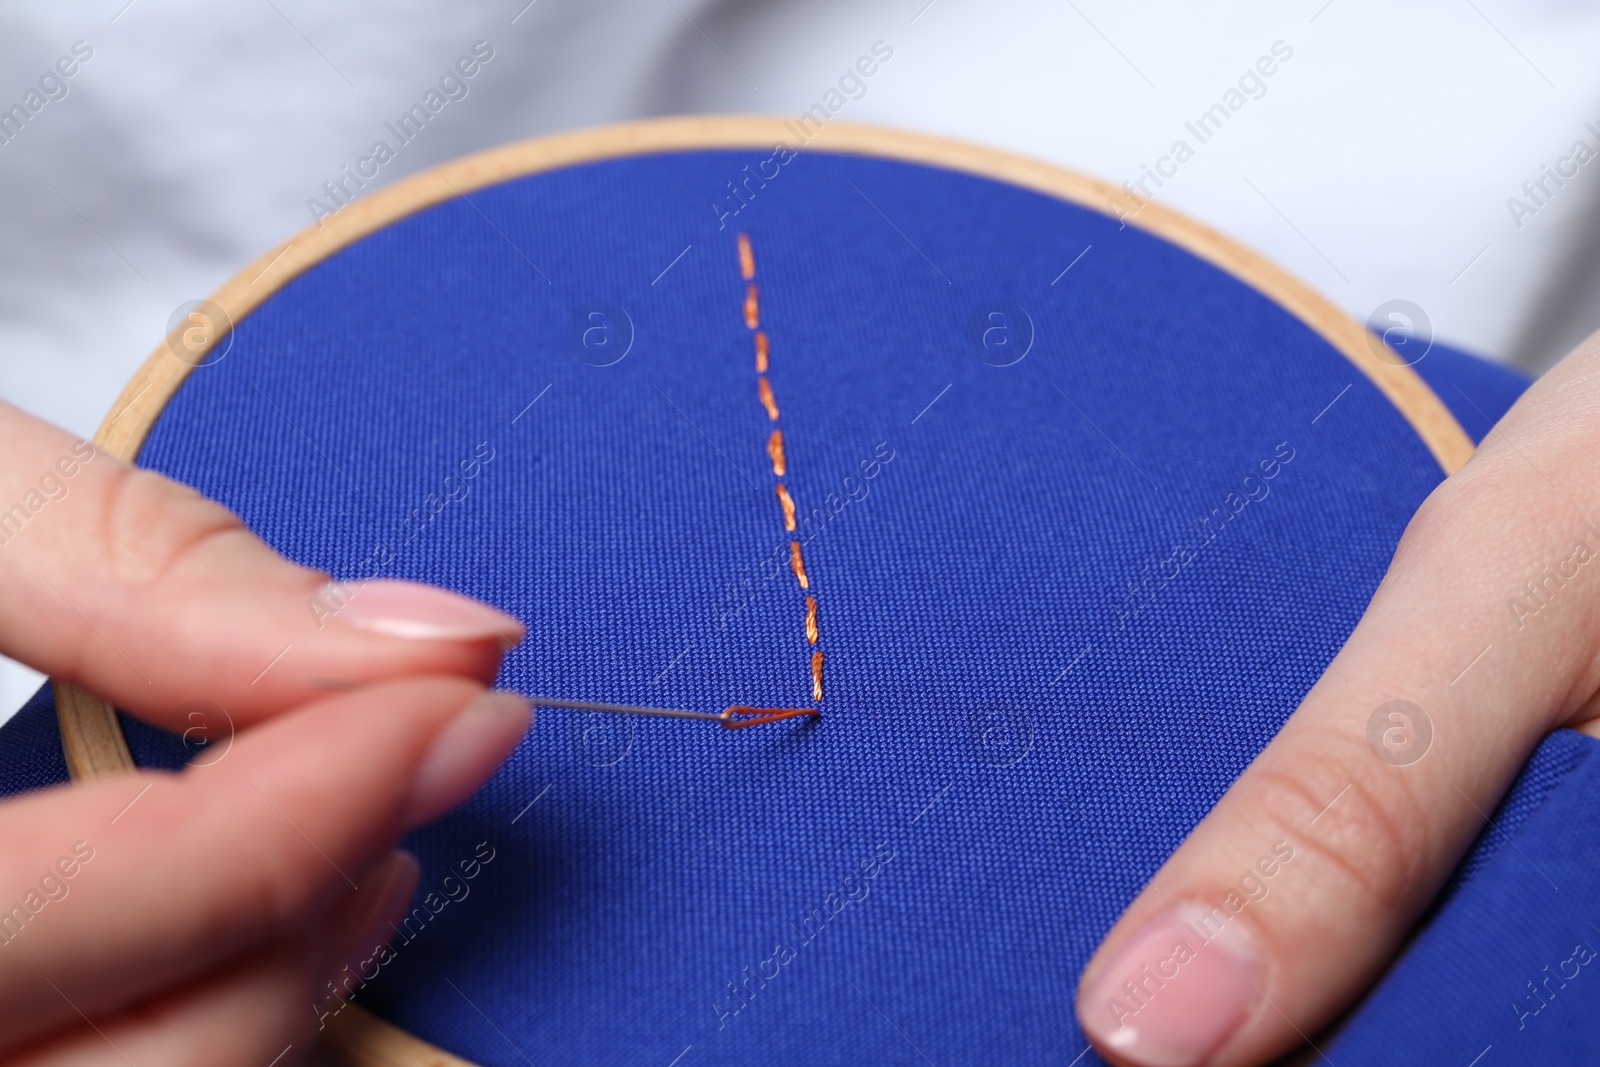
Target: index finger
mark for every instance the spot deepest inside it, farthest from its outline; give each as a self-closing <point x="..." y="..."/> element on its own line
<point x="146" y="593"/>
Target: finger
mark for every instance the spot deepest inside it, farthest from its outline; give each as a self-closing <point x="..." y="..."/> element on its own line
<point x="152" y="596"/>
<point x="131" y="885"/>
<point x="1300" y="884"/>
<point x="250" y="1014"/>
<point x="265" y="1008"/>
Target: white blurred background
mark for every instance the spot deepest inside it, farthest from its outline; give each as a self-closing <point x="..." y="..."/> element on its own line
<point x="1380" y="161"/>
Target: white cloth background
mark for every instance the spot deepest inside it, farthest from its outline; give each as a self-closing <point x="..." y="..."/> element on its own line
<point x="1376" y="163"/>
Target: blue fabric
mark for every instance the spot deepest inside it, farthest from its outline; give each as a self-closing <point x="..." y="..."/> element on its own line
<point x="1476" y="391"/>
<point x="1550" y="768"/>
<point x="1480" y="950"/>
<point x="1063" y="602"/>
<point x="1506" y="972"/>
<point x="30" y="747"/>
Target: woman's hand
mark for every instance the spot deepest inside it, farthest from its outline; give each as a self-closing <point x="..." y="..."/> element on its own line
<point x="1296" y="890"/>
<point x="197" y="918"/>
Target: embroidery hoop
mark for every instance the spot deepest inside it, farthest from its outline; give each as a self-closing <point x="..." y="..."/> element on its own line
<point x="91" y="737"/>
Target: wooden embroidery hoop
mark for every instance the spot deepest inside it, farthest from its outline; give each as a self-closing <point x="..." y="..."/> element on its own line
<point x="91" y="737"/>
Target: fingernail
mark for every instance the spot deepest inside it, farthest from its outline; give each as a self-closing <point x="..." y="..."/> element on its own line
<point x="1174" y="991"/>
<point x="465" y="753"/>
<point x="385" y="891"/>
<point x="412" y="610"/>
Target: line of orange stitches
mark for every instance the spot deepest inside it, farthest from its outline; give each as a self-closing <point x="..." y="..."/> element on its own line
<point x="797" y="563"/>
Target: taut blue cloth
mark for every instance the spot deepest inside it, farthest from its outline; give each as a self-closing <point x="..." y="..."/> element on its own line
<point x="1078" y="540"/>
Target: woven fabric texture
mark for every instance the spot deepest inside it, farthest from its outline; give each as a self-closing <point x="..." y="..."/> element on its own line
<point x="1504" y="972"/>
<point x="1083" y="518"/>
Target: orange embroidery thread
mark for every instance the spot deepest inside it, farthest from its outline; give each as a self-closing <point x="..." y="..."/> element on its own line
<point x="747" y="257"/>
<point x="788" y="510"/>
<point x="731" y="718"/>
<point x="768" y="401"/>
<point x="775" y="450"/>
<point x="798" y="565"/>
<point x="736" y="717"/>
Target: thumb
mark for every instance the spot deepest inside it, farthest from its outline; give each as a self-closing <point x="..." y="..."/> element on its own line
<point x="146" y="593"/>
<point x="1292" y="894"/>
